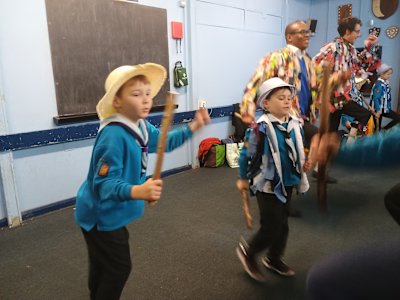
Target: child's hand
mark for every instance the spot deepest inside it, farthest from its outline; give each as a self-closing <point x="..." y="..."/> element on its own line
<point x="242" y="185"/>
<point x="201" y="118"/>
<point x="307" y="165"/>
<point x="149" y="191"/>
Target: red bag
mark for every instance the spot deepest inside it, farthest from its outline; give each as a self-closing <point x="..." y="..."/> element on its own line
<point x="205" y="146"/>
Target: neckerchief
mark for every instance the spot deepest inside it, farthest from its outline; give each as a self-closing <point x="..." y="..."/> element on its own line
<point x="139" y="132"/>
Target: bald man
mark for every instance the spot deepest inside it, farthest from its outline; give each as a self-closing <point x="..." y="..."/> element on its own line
<point x="293" y="65"/>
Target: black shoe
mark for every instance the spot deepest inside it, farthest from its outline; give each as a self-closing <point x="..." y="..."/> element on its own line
<point x="278" y="266"/>
<point x="249" y="264"/>
<point x="295" y="213"/>
<point x="329" y="179"/>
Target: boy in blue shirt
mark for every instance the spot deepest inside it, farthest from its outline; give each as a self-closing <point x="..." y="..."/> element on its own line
<point x="381" y="97"/>
<point x="115" y="189"/>
<point x="281" y="171"/>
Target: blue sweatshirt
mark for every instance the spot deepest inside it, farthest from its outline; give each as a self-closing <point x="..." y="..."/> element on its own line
<point x="104" y="199"/>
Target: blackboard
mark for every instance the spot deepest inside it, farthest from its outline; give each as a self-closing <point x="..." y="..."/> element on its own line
<point x="90" y="38"/>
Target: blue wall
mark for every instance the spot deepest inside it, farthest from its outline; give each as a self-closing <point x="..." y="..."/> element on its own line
<point x="325" y="11"/>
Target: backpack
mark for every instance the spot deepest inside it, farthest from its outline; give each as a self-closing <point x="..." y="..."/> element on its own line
<point x="180" y="75"/>
<point x="254" y="166"/>
<point x="211" y="153"/>
<point x="238" y="124"/>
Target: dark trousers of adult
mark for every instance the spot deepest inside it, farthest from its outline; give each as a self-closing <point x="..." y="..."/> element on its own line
<point x="392" y="202"/>
<point x="351" y="109"/>
<point x="274" y="226"/>
<point x="370" y="272"/>
<point x="309" y="131"/>
<point x="109" y="262"/>
<point x="391" y="115"/>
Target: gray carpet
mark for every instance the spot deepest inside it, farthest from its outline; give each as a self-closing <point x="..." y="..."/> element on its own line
<point x="184" y="247"/>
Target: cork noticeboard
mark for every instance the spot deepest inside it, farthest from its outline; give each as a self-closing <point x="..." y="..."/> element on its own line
<point x="90" y="38"/>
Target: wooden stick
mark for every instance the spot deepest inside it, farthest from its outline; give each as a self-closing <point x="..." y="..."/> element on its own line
<point x="162" y="140"/>
<point x="246" y="208"/>
<point x="323" y="129"/>
<point x="328" y="83"/>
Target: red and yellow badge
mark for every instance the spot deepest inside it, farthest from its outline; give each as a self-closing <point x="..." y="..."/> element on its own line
<point x="103" y="171"/>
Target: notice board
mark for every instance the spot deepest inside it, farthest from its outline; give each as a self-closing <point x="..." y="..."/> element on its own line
<point x="90" y="38"/>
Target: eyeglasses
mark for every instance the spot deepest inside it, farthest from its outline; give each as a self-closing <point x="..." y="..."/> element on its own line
<point x="357" y="31"/>
<point x="302" y="32"/>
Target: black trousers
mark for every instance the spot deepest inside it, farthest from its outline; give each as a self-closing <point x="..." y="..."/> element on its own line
<point x="309" y="131"/>
<point x="351" y="109"/>
<point x="391" y="115"/>
<point x="109" y="262"/>
<point x="274" y="226"/>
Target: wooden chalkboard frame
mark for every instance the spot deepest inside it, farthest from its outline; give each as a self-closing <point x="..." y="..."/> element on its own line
<point x="90" y="38"/>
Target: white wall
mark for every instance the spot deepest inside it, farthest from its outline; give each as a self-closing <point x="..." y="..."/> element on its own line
<point x="48" y="174"/>
<point x="220" y="54"/>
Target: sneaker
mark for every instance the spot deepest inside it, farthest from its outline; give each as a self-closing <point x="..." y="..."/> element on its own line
<point x="278" y="266"/>
<point x="249" y="265"/>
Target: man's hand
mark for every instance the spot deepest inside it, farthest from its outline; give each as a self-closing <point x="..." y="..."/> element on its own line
<point x="371" y="40"/>
<point x="323" y="149"/>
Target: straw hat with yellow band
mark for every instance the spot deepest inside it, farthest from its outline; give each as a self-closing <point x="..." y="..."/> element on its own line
<point x="155" y="73"/>
<point x="360" y="80"/>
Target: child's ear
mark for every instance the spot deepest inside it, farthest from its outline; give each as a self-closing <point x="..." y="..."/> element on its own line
<point x="116" y="102"/>
<point x="265" y="104"/>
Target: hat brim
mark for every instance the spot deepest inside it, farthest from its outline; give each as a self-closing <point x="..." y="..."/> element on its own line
<point x="155" y="73"/>
<point x="360" y="80"/>
<point x="266" y="94"/>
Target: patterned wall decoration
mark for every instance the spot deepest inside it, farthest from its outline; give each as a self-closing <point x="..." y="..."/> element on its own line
<point x="344" y="11"/>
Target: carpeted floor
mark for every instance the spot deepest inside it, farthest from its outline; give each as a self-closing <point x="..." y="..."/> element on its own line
<point x="184" y="247"/>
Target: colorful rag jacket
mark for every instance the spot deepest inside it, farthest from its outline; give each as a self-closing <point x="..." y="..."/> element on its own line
<point x="381" y="96"/>
<point x="285" y="65"/>
<point x="342" y="56"/>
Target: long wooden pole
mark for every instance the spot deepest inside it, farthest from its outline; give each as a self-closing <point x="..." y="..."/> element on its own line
<point x="162" y="140"/>
<point x="323" y="129"/>
<point x="328" y="83"/>
<point x="246" y="208"/>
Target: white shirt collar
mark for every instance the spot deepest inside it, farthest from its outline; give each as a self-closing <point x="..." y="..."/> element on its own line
<point x="296" y="50"/>
<point x="264" y="117"/>
<point x="140" y="129"/>
<point x="384" y="81"/>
